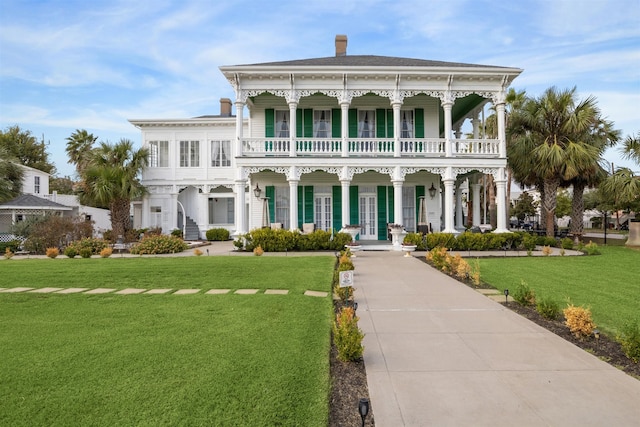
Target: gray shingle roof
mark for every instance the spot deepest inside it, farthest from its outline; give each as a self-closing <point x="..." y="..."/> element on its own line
<point x="369" y="61"/>
<point x="29" y="201"/>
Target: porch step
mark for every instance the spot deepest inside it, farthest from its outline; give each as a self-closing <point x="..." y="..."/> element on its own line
<point x="191" y="231"/>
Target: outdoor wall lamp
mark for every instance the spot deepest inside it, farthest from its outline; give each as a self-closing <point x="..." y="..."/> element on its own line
<point x="257" y="191"/>
<point x="363" y="408"/>
<point x="432" y="191"/>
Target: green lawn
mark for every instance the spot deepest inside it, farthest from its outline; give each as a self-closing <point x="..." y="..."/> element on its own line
<point x="609" y="283"/>
<point x="228" y="360"/>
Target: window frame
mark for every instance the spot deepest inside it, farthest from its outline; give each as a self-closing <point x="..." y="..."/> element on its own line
<point x="189" y="154"/>
<point x="222" y="158"/>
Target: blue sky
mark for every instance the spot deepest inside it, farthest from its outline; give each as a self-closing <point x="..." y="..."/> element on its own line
<point x="77" y="64"/>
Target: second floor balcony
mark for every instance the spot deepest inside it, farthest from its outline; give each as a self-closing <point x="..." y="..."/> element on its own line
<point x="370" y="147"/>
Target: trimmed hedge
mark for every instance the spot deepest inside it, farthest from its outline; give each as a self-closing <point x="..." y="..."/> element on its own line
<point x="217" y="234"/>
<point x="286" y="240"/>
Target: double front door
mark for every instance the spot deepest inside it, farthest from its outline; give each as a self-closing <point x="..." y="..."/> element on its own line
<point x="368" y="215"/>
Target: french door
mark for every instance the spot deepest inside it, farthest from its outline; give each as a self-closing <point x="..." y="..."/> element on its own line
<point x="368" y="216"/>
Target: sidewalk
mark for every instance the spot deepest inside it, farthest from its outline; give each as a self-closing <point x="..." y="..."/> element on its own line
<point x="438" y="353"/>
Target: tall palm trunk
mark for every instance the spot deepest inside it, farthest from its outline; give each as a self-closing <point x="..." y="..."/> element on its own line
<point x="549" y="201"/>
<point x="120" y="217"/>
<point x="577" y="210"/>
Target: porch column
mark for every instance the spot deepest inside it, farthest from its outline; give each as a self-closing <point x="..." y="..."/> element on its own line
<point x="397" y="201"/>
<point x="344" y="129"/>
<point x="447" y="105"/>
<point x="397" y="126"/>
<point x="293" y="204"/>
<point x="449" y="182"/>
<point x="241" y="226"/>
<point x="476" y="204"/>
<point x="292" y="128"/>
<point x="346" y="211"/>
<point x="502" y="138"/>
<point x="475" y="122"/>
<point x="459" y="220"/>
<point x="239" y="124"/>
<point x="173" y="213"/>
<point x="501" y="199"/>
<point x="144" y="221"/>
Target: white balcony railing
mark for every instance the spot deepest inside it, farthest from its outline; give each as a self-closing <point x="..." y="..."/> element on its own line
<point x="384" y="147"/>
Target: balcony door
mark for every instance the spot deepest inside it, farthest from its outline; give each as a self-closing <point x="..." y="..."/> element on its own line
<point x="368" y="214"/>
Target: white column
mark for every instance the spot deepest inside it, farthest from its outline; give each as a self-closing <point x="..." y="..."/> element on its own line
<point x="345" y="202"/>
<point x="447" y="105"/>
<point x="501" y="199"/>
<point x="459" y="220"/>
<point x="501" y="130"/>
<point x="397" y="201"/>
<point x="239" y="124"/>
<point x="397" y="126"/>
<point x="293" y="203"/>
<point x="449" y="182"/>
<point x="344" y="129"/>
<point x="173" y="214"/>
<point x="475" y="122"/>
<point x="144" y="221"/>
<point x="241" y="226"/>
<point x="476" y="204"/>
<point x="292" y="128"/>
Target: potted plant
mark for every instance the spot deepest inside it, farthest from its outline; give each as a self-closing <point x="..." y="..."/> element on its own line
<point x="410" y="242"/>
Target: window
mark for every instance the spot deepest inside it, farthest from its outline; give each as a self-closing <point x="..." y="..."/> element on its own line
<point x="282" y="206"/>
<point x="283" y="124"/>
<point x="323" y="212"/>
<point x="409" y="208"/>
<point x="406" y="124"/>
<point x="36" y="184"/>
<point x="189" y="154"/>
<point x="221" y="210"/>
<point x="156" y="216"/>
<point x="366" y="124"/>
<point x="158" y="154"/>
<point x="220" y="153"/>
<point x="322" y="123"/>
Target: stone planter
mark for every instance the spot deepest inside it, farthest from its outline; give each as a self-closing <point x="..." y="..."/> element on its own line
<point x="408" y="249"/>
<point x="397" y="236"/>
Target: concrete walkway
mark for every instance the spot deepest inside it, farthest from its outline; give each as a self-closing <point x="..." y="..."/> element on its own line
<point x="438" y="353"/>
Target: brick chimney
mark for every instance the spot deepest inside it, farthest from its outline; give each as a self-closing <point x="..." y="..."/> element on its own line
<point x="341" y="45"/>
<point x="225" y="107"/>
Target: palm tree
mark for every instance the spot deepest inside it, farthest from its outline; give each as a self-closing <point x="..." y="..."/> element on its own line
<point x="79" y="146"/>
<point x="11" y="175"/>
<point x="550" y="132"/>
<point x="631" y="148"/>
<point x="111" y="178"/>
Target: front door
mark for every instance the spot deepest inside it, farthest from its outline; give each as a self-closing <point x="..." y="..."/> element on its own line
<point x="368" y="216"/>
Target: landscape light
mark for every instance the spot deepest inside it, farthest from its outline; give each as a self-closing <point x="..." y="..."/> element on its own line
<point x="363" y="408"/>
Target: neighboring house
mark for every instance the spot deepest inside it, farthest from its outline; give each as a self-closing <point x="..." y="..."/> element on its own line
<point x="349" y="139"/>
<point x="36" y="200"/>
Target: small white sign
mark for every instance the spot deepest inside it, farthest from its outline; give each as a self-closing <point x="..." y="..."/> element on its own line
<point x="346" y="278"/>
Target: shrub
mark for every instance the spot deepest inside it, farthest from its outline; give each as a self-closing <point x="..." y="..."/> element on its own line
<point x="106" y="252"/>
<point x="12" y="245"/>
<point x="52" y="231"/>
<point x="523" y="294"/>
<point x="412" y="239"/>
<point x="591" y="249"/>
<point x="475" y="273"/>
<point x="566" y="243"/>
<point x="578" y="319"/>
<point x="441" y="240"/>
<point x="462" y="268"/>
<point x="548" y="308"/>
<point x="159" y="244"/>
<point x="85" y="253"/>
<point x="529" y="242"/>
<point x="629" y="339"/>
<point x="258" y="251"/>
<point x="197" y="252"/>
<point x="70" y="251"/>
<point x="217" y="234"/>
<point x="7" y="253"/>
<point x="176" y="232"/>
<point x="93" y="244"/>
<point x="439" y="258"/>
<point x="52" y="252"/>
<point x="546" y="250"/>
<point x="344" y="264"/>
<point x="347" y="336"/>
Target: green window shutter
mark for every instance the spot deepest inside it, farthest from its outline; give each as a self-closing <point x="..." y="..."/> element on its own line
<point x="381" y="126"/>
<point x="308" y="204"/>
<point x="419" y="193"/>
<point x="382" y="212"/>
<point x="418" y="118"/>
<point x="390" y="214"/>
<point x="389" y="123"/>
<point x="354" y="216"/>
<point x="299" y="123"/>
<point x="270" y="193"/>
<point x="353" y="123"/>
<point x="300" y="206"/>
<point x="336" y="191"/>
<point x="336" y="123"/>
<point x="308" y="123"/>
<point x="269" y="123"/>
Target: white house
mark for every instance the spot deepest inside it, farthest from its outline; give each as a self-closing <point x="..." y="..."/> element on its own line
<point x="348" y="139"/>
